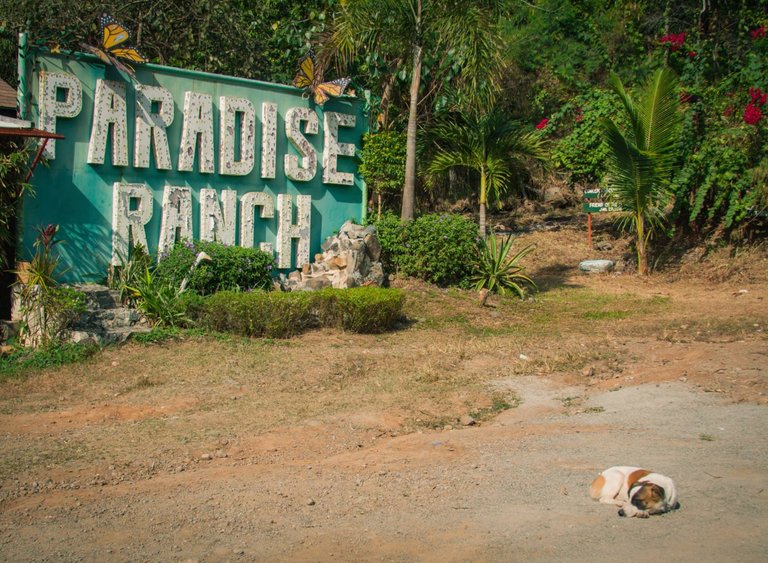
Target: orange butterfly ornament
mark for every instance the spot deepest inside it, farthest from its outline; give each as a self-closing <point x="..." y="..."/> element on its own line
<point x="113" y="45"/>
<point x="309" y="77"/>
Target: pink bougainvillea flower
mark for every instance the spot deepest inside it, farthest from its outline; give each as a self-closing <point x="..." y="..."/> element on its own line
<point x="752" y="114"/>
<point x="758" y="33"/>
<point x="542" y="124"/>
<point x="692" y="54"/>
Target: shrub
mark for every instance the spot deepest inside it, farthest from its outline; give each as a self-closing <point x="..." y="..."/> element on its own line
<point x="281" y="315"/>
<point x="361" y="309"/>
<point x="257" y="313"/>
<point x="389" y="230"/>
<point x="230" y="268"/>
<point x="438" y="249"/>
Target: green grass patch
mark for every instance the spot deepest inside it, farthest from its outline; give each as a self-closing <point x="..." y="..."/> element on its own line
<point x="606" y="315"/>
<point x="24" y="360"/>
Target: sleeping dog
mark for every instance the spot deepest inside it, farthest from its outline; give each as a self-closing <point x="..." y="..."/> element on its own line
<point x="638" y="492"/>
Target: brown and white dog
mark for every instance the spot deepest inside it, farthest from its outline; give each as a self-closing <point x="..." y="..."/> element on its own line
<point x="637" y="491"/>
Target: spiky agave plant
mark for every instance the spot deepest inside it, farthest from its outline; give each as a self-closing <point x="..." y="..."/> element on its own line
<point x="498" y="271"/>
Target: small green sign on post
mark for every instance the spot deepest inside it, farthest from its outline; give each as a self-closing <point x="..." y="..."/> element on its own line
<point x="596" y="200"/>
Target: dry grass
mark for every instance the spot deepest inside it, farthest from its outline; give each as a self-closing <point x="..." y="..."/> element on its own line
<point x="143" y="408"/>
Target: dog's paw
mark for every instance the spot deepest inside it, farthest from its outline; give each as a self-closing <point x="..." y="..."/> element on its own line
<point x="642" y="514"/>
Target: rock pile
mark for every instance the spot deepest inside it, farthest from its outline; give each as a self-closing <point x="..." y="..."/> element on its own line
<point x="105" y="320"/>
<point x="349" y="259"/>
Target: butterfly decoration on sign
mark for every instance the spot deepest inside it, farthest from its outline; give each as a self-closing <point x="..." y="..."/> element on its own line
<point x="113" y="48"/>
<point x="310" y="77"/>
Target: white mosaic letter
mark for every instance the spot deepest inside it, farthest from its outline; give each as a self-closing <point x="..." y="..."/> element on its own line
<point x="198" y="122"/>
<point x="51" y="108"/>
<point x="229" y="108"/>
<point x="304" y="171"/>
<point x="287" y="231"/>
<point x="176" y="223"/>
<point x="109" y="110"/>
<point x="131" y="210"/>
<point x="150" y="127"/>
<point x="248" y="217"/>
<point x="268" y="140"/>
<point x="217" y="222"/>
<point x="333" y="148"/>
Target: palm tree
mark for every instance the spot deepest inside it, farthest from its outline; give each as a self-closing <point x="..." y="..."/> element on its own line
<point x="641" y="160"/>
<point x="406" y="31"/>
<point x="491" y="145"/>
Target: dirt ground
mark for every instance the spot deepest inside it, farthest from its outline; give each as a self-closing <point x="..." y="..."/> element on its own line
<point x="358" y="447"/>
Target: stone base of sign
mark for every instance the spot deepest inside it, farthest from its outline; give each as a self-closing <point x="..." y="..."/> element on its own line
<point x="106" y="320"/>
<point x="349" y="259"/>
<point x="596" y="266"/>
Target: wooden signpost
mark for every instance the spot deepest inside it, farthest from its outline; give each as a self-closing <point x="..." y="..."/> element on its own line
<point x="596" y="200"/>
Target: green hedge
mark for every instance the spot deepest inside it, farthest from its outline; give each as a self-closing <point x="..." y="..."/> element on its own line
<point x="231" y="268"/>
<point x="437" y="248"/>
<point x="281" y="315"/>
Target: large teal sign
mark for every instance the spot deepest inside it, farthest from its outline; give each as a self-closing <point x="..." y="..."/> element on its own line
<point x="177" y="155"/>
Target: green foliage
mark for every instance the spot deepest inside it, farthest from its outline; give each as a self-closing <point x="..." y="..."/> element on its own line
<point x="47" y="310"/>
<point x="582" y="151"/>
<point x="641" y="159"/>
<point x="14" y="161"/>
<point x="383" y="161"/>
<point x="496" y="270"/>
<point x="24" y="360"/>
<point x="229" y="268"/>
<point x="282" y="315"/>
<point x="159" y="299"/>
<point x="360" y="309"/>
<point x="489" y="144"/>
<point x="389" y="230"/>
<point x="435" y="247"/>
<point x="129" y="273"/>
<point x="261" y="41"/>
<point x="723" y="184"/>
<point x="257" y="313"/>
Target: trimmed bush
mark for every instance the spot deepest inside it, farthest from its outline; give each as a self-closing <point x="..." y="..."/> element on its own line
<point x="231" y="268"/>
<point x="281" y="315"/>
<point x="361" y="309"/>
<point x="257" y="313"/>
<point x="389" y="230"/>
<point x="437" y="248"/>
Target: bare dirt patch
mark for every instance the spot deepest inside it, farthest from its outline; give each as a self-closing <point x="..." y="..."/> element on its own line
<point x="335" y="446"/>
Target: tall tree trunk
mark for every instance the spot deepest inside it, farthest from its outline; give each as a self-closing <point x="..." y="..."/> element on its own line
<point x="409" y="190"/>
<point x="483" y="202"/>
<point x="642" y="250"/>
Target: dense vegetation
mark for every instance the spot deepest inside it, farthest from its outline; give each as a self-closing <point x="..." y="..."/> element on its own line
<point x="541" y="65"/>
